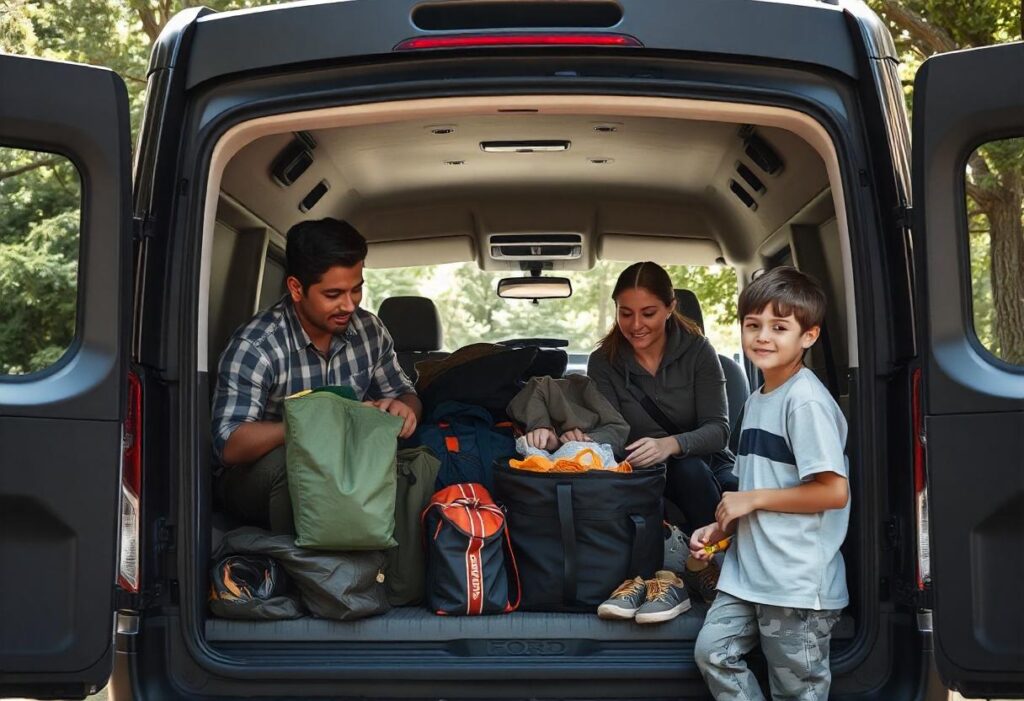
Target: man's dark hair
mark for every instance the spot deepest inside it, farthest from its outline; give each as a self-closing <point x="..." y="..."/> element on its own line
<point x="314" y="247"/>
<point x="789" y="292"/>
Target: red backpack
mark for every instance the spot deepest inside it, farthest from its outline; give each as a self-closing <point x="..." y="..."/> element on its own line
<point x="470" y="566"/>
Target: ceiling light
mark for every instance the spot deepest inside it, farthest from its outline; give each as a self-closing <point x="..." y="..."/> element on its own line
<point x="545" y="146"/>
<point x="606" y="128"/>
<point x="442" y="129"/>
<point x="454" y="163"/>
<point x="601" y="161"/>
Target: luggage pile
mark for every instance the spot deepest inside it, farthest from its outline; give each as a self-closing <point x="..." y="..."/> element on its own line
<point x="379" y="527"/>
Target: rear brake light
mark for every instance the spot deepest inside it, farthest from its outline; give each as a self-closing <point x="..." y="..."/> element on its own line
<point x="131" y="488"/>
<point x="474" y="41"/>
<point x="924" y="560"/>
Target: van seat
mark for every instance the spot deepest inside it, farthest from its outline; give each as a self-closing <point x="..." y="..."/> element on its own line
<point x="737" y="389"/>
<point x="415" y="326"/>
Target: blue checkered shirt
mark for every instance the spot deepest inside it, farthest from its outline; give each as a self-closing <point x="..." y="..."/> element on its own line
<point x="271" y="357"/>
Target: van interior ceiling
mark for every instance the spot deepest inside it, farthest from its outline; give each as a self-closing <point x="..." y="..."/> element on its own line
<point x="681" y="182"/>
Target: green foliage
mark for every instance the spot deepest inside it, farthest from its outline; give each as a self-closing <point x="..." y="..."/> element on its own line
<point x="471" y="311"/>
<point x="40" y="193"/>
<point x="38" y="281"/>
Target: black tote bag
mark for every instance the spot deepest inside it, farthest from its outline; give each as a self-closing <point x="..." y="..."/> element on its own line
<point x="577" y="536"/>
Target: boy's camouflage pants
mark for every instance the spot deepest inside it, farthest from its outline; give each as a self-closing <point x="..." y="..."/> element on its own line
<point x="795" y="643"/>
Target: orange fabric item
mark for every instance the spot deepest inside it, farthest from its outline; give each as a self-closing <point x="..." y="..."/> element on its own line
<point x="451" y="443"/>
<point x="586" y="459"/>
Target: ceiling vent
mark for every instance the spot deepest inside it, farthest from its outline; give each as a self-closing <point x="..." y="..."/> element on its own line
<point x="539" y="247"/>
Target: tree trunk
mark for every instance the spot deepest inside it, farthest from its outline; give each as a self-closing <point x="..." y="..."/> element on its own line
<point x="1007" y="269"/>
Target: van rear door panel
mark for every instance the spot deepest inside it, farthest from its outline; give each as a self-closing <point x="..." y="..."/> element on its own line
<point x="61" y="428"/>
<point x="973" y="401"/>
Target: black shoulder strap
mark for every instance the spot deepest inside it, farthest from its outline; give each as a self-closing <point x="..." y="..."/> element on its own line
<point x="654" y="411"/>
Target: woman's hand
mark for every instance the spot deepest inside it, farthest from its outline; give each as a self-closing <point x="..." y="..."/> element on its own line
<point x="705" y="535"/>
<point x="649" y="451"/>
<point x="734" y="505"/>
<point x="574" y="434"/>
<point x="542" y="439"/>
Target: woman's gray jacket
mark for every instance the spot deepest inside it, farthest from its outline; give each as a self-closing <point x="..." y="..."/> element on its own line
<point x="689" y="387"/>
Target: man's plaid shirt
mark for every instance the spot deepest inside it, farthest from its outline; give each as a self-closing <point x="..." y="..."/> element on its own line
<point x="271" y="357"/>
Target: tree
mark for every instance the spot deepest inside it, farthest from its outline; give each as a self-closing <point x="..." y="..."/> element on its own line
<point x="995" y="177"/>
<point x="40" y="192"/>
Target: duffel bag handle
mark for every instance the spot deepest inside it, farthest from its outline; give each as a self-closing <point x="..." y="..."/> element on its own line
<point x="563" y="491"/>
<point x="639" y="531"/>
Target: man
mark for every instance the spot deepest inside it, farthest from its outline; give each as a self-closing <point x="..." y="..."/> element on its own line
<point x="315" y="335"/>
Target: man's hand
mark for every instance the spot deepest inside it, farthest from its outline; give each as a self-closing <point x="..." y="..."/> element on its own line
<point x="704" y="535"/>
<point x="649" y="451"/>
<point x="734" y="505"/>
<point x="542" y="439"/>
<point x="400" y="409"/>
<point x="574" y="434"/>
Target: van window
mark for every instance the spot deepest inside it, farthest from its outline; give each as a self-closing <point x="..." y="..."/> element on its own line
<point x="471" y="310"/>
<point x="40" y="218"/>
<point x="995" y="212"/>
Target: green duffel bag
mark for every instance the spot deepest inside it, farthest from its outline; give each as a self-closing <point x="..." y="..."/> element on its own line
<point x="407" y="562"/>
<point x="340" y="457"/>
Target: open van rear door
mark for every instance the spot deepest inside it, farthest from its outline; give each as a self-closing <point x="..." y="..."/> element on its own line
<point x="61" y="427"/>
<point x="973" y="399"/>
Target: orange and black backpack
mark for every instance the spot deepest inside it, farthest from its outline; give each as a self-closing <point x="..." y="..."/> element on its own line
<point x="470" y="566"/>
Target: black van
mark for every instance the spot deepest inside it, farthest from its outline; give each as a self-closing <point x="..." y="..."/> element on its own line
<point x="745" y="132"/>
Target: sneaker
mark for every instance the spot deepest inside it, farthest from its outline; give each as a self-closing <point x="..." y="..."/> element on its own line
<point x="666" y="598"/>
<point x="624" y="601"/>
<point x="703" y="583"/>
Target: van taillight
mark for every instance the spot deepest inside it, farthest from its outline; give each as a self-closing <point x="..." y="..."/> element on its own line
<point x="924" y="560"/>
<point x="131" y="488"/>
<point x="478" y="41"/>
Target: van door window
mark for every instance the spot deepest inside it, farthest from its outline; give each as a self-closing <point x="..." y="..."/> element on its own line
<point x="40" y="211"/>
<point x="994" y="184"/>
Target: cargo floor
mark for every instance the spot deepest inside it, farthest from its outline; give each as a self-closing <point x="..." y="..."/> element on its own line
<point x="414" y="624"/>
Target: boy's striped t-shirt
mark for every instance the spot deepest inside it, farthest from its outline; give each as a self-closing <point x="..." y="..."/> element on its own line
<point x="784" y="559"/>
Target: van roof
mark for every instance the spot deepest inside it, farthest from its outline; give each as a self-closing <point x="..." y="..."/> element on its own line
<point x="788" y="31"/>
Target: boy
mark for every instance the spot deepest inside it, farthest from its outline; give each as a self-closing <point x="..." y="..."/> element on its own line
<point x="783" y="581"/>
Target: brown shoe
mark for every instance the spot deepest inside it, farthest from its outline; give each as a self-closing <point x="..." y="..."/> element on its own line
<point x="701" y="578"/>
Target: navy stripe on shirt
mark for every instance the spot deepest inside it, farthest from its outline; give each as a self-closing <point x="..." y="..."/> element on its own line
<point x="755" y="441"/>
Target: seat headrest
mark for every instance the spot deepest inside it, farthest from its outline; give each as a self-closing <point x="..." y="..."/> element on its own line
<point x="413" y="322"/>
<point x="688" y="305"/>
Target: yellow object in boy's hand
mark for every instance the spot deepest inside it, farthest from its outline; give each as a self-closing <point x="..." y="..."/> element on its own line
<point x="721" y="545"/>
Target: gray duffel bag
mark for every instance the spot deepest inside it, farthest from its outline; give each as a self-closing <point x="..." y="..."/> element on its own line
<point x="344" y="586"/>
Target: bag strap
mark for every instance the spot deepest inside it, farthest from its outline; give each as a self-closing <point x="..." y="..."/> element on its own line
<point x="654" y="411"/>
<point x="512" y="574"/>
<point x="563" y="491"/>
<point x="639" y="531"/>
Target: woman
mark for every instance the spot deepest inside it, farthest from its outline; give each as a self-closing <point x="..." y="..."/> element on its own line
<point x="664" y="377"/>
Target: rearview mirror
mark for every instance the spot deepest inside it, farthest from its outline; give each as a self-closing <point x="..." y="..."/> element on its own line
<point x="534" y="288"/>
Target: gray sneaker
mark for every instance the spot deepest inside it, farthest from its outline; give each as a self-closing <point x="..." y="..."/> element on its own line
<point x="624" y="601"/>
<point x="666" y="598"/>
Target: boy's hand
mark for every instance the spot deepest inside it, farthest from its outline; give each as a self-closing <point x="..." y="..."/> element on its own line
<point x="649" y="451"/>
<point x="734" y="505"/>
<point x="574" y="434"/>
<point x="542" y="439"/>
<point x="710" y="533"/>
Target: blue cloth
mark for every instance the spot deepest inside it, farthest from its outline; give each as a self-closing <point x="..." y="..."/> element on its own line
<point x="789" y="435"/>
<point x="466" y="441"/>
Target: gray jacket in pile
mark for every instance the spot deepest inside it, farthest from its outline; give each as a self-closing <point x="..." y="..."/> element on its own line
<point x="689" y="387"/>
<point x="568" y="403"/>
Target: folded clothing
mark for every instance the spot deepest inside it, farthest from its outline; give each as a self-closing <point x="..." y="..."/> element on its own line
<point x="574" y="456"/>
<point x="568" y="450"/>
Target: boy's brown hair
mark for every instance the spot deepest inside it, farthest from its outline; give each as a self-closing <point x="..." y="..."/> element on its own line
<point x="789" y="292"/>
